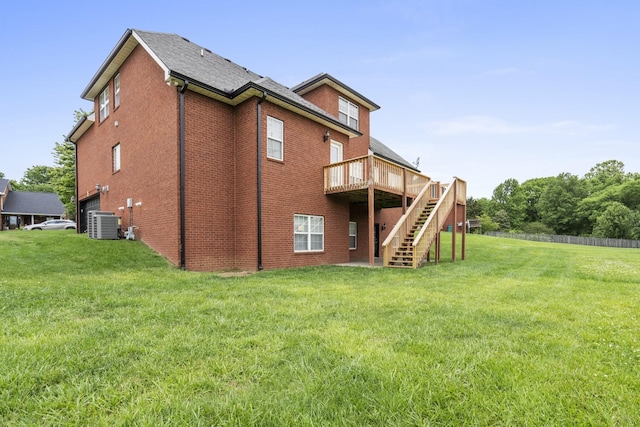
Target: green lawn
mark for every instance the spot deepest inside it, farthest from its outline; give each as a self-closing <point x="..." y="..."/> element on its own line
<point x="105" y="333"/>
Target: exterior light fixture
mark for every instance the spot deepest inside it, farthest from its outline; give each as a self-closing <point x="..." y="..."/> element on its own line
<point x="326" y="136"/>
<point x="98" y="187"/>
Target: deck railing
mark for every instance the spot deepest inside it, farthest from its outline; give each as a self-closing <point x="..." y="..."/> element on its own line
<point x="403" y="226"/>
<point x="356" y="174"/>
<point x="447" y="196"/>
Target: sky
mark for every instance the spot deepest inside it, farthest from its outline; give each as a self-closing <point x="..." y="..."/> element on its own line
<point x="484" y="90"/>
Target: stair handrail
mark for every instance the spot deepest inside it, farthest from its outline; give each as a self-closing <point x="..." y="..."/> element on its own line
<point x="401" y="225"/>
<point x="444" y="205"/>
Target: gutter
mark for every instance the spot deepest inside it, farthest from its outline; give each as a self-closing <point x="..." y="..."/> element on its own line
<point x="259" y="176"/>
<point x="231" y="95"/>
<point x="75" y="171"/>
<point x="183" y="256"/>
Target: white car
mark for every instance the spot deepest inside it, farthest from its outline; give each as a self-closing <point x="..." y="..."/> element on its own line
<point x="53" y="224"/>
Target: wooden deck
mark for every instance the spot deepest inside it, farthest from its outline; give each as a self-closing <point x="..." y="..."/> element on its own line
<point x="352" y="179"/>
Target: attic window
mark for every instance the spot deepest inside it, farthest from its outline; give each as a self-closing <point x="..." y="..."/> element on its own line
<point x="348" y="113"/>
<point x="104" y="104"/>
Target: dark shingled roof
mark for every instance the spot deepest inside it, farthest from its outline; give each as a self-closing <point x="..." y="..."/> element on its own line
<point x="4" y="183"/>
<point x="29" y="203"/>
<point x="198" y="64"/>
<point x="184" y="57"/>
<point x="379" y="149"/>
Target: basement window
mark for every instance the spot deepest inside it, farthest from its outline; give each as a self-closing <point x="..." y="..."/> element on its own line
<point x="353" y="235"/>
<point x="308" y="233"/>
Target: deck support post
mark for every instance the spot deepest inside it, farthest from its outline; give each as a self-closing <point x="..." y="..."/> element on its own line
<point x="464" y="232"/>
<point x="371" y="205"/>
<point x="455" y="221"/>
<point x="404" y="191"/>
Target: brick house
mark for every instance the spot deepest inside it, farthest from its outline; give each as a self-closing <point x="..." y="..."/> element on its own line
<point x="221" y="168"/>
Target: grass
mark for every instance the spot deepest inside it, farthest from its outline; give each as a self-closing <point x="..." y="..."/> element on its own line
<point x="521" y="333"/>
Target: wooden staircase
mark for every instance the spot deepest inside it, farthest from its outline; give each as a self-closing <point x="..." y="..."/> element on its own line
<point x="403" y="256"/>
<point x="409" y="243"/>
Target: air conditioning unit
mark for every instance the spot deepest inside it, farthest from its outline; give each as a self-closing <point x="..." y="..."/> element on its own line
<point x="102" y="225"/>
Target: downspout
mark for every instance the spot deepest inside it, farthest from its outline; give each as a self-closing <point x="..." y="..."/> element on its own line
<point x="76" y="196"/>
<point x="75" y="177"/>
<point x="183" y="261"/>
<point x="259" y="176"/>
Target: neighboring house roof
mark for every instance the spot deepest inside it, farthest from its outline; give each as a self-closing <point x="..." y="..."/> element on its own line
<point x="206" y="72"/>
<point x="381" y="150"/>
<point x="5" y="186"/>
<point x="327" y="79"/>
<point x="30" y="203"/>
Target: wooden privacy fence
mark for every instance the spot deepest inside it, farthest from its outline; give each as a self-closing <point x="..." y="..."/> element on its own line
<point x="573" y="240"/>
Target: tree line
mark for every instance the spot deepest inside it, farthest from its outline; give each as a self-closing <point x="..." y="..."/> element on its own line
<point x="605" y="202"/>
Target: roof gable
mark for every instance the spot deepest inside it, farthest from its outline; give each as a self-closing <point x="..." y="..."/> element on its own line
<point x="329" y="80"/>
<point x="206" y="73"/>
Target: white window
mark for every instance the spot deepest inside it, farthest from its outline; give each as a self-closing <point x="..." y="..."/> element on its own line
<point x="348" y="113"/>
<point x="275" y="138"/>
<point x="353" y="235"/>
<point x="104" y="104"/>
<point x="116" y="157"/>
<point x="116" y="91"/>
<point x="308" y="233"/>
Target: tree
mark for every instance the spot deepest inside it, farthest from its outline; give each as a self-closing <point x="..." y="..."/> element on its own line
<point x="474" y="208"/>
<point x="615" y="222"/>
<point x="532" y="190"/>
<point x="590" y="208"/>
<point x="536" y="228"/>
<point x="1" y="175"/>
<point x="508" y="197"/>
<point x="502" y="219"/>
<point x="604" y="175"/>
<point x="558" y="204"/>
<point x="64" y="178"/>
<point x="38" y="179"/>
<point x="488" y="224"/>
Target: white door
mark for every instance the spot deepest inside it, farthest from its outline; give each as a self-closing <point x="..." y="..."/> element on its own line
<point x="336" y="176"/>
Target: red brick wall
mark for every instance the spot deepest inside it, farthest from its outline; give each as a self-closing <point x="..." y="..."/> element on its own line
<point x="245" y="185"/>
<point x="147" y="131"/>
<point x="222" y="188"/>
<point x="296" y="186"/>
<point x="209" y="183"/>
<point x="326" y="98"/>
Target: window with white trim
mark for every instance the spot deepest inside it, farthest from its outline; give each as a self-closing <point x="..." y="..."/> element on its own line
<point x="353" y="235"/>
<point x="308" y="233"/>
<point x="348" y="113"/>
<point x="116" y="157"/>
<point x="116" y="91"/>
<point x="104" y="104"/>
<point x="275" y="138"/>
